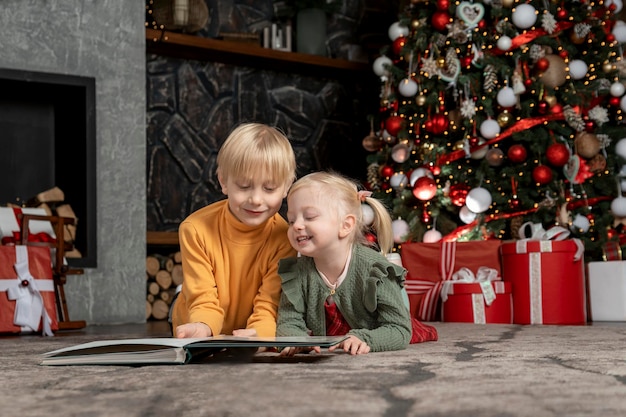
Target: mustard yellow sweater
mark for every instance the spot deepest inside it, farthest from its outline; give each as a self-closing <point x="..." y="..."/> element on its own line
<point x="230" y="271"/>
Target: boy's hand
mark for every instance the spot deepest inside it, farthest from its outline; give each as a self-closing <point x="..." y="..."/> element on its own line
<point x="292" y="350"/>
<point x="352" y="345"/>
<point x="193" y="330"/>
<point x="244" y="332"/>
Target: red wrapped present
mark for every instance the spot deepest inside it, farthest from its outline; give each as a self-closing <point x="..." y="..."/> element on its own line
<point x="482" y="298"/>
<point x="548" y="280"/>
<point x="429" y="264"/>
<point x="10" y="224"/>
<point x="27" y="297"/>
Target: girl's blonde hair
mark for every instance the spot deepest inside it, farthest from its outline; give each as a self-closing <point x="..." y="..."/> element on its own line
<point x="344" y="194"/>
<point x="255" y="149"/>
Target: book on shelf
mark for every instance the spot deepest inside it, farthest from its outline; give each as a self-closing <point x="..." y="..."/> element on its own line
<point x="170" y="350"/>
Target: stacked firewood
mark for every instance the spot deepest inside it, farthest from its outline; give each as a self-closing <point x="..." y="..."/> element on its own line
<point x="163" y="274"/>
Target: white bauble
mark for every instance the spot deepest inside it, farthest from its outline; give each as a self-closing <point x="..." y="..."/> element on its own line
<point x="398" y="181"/>
<point x="466" y="215"/>
<point x="506" y="97"/>
<point x="432" y="236"/>
<point x="524" y="16"/>
<point x="478" y="200"/>
<point x="407" y="87"/>
<point x="622" y="185"/>
<point x="619" y="31"/>
<point x="379" y="65"/>
<point x="419" y="173"/>
<point x="580" y="223"/>
<point x="480" y="153"/>
<point x="622" y="103"/>
<point x="618" y="207"/>
<point x="617" y="89"/>
<point x="489" y="129"/>
<point x="578" y="69"/>
<point x="400" y="152"/>
<point x="504" y="43"/>
<point x="367" y="213"/>
<point x="396" y="30"/>
<point x="400" y="230"/>
<point x="620" y="148"/>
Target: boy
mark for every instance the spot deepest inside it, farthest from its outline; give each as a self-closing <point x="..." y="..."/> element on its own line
<point x="230" y="249"/>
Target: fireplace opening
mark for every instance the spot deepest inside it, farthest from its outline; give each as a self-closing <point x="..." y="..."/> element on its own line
<point x="48" y="139"/>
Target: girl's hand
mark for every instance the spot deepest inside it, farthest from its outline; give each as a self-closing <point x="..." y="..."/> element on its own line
<point x="193" y="330"/>
<point x="245" y="333"/>
<point x="352" y="345"/>
<point x="290" y="351"/>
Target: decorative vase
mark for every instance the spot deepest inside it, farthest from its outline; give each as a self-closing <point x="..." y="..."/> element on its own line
<point x="311" y="31"/>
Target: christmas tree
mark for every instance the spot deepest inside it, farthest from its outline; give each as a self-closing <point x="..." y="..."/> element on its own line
<point x="498" y="114"/>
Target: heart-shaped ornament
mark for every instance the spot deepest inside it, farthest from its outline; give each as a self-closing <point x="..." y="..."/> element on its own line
<point x="470" y="13"/>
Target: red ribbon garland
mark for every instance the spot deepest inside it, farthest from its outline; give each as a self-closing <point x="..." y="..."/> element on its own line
<point x="531" y="35"/>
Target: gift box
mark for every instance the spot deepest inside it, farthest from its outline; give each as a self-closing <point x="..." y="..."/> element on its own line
<point x="548" y="281"/>
<point x="429" y="264"/>
<point x="483" y="301"/>
<point x="27" y="296"/>
<point x="10" y="224"/>
<point x="607" y="290"/>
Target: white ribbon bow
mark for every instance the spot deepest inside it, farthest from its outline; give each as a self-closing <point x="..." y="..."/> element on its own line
<point x="29" y="305"/>
<point x="535" y="231"/>
<point x="483" y="276"/>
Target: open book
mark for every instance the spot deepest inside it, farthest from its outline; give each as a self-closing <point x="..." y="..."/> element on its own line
<point x="169" y="350"/>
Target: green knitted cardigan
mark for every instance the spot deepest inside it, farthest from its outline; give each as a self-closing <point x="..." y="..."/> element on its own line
<point x="370" y="299"/>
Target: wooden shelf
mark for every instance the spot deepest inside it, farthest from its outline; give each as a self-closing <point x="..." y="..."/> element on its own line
<point x="185" y="46"/>
<point x="162" y="238"/>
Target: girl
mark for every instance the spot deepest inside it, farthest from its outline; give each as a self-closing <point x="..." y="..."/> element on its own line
<point x="339" y="285"/>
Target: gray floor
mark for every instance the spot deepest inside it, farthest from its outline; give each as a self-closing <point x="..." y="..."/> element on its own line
<point x="473" y="370"/>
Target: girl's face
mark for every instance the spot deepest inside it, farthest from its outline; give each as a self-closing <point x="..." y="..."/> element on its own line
<point x="314" y="224"/>
<point x="253" y="201"/>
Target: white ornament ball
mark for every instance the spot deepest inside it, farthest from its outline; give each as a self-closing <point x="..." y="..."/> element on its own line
<point x="478" y="200"/>
<point x="622" y="185"/>
<point x="524" y="16"/>
<point x="466" y="215"/>
<point x="617" y="89"/>
<point x="489" y="129"/>
<point x="419" y="173"/>
<point x="396" y="30"/>
<point x="398" y="181"/>
<point x="622" y="103"/>
<point x="480" y="153"/>
<point x="367" y="213"/>
<point x="580" y="223"/>
<point x="506" y="97"/>
<point x="620" y="148"/>
<point x="432" y="236"/>
<point x="619" y="31"/>
<point x="400" y="152"/>
<point x="400" y="230"/>
<point x="504" y="43"/>
<point x="379" y="65"/>
<point x="407" y="87"/>
<point x="578" y="69"/>
<point x="618" y="207"/>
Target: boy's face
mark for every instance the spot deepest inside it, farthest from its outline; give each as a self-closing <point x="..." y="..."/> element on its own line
<point x="253" y="201"/>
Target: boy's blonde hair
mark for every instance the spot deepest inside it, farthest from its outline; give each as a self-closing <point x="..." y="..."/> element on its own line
<point x="254" y="149"/>
<point x="343" y="193"/>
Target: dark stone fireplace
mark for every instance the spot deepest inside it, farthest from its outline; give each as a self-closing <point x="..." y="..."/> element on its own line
<point x="47" y="125"/>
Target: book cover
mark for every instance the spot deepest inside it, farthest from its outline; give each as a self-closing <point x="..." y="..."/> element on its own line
<point x="170" y="350"/>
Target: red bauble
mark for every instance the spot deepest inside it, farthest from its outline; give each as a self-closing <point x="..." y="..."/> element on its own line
<point x="440" y="20"/>
<point x="556" y="109"/>
<point x="443" y="4"/>
<point x="557" y="154"/>
<point x="610" y="38"/>
<point x="398" y="44"/>
<point x="611" y="233"/>
<point x="393" y="124"/>
<point x="437" y="124"/>
<point x="614" y="101"/>
<point x="466" y="61"/>
<point x="435" y="169"/>
<point x="563" y="54"/>
<point x="517" y="153"/>
<point x="542" y="64"/>
<point x="542" y="174"/>
<point x="426" y="217"/>
<point x="370" y="237"/>
<point x="387" y="171"/>
<point x="561" y="14"/>
<point x="514" y="203"/>
<point x="458" y="194"/>
<point x="542" y="107"/>
<point x="425" y="188"/>
<point x="590" y="126"/>
<point x="482" y="24"/>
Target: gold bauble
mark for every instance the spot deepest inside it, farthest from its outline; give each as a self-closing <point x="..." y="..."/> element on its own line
<point x="587" y="144"/>
<point x="576" y="39"/>
<point x="459" y="146"/>
<point x="508" y="3"/>
<point x="371" y="143"/>
<point x="551" y="100"/>
<point x="504" y="118"/>
<point x="556" y="74"/>
<point x="420" y="100"/>
<point x="495" y="157"/>
<point x="415" y="23"/>
<point x="441" y="62"/>
<point x="608" y="67"/>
